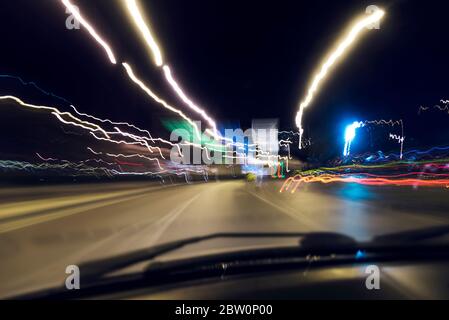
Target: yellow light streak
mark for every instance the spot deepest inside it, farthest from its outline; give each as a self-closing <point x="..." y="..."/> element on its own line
<point x="150" y="93"/>
<point x="342" y="47"/>
<point x="73" y="10"/>
<point x="145" y="30"/>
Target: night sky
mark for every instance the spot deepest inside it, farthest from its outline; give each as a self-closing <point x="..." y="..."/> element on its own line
<point x="241" y="60"/>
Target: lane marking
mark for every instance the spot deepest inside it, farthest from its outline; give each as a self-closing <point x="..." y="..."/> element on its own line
<point x="42" y="218"/>
<point x="79" y="256"/>
<point x="35" y="218"/>
<point x="22" y="208"/>
<point x="306" y="221"/>
<point x="162" y="224"/>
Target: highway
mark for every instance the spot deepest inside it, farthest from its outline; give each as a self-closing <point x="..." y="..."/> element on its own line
<point x="44" y="229"/>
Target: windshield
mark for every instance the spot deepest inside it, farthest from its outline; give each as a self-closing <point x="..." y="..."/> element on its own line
<point x="130" y="124"/>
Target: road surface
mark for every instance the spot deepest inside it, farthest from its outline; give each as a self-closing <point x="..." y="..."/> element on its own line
<point x="45" y="229"/>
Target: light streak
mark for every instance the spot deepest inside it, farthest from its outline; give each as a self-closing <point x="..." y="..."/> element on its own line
<point x="67" y="162"/>
<point x="390" y="165"/>
<point x="304" y="143"/>
<point x="150" y="93"/>
<point x="139" y="21"/>
<point x="350" y="135"/>
<point x="385" y="122"/>
<point x="392" y="123"/>
<point x="33" y="84"/>
<point x="342" y="47"/>
<point x="120" y="155"/>
<point x="422" y="108"/>
<point x="90" y="29"/>
<point x="187" y="101"/>
<point x="134" y="10"/>
<point x="117" y="141"/>
<point x="289" y="132"/>
<point x="444" y="108"/>
<point x="45" y="159"/>
<point x="108" y="121"/>
<point x="79" y="169"/>
<point x="58" y="114"/>
<point x="131" y="164"/>
<point x="112" y="122"/>
<point x="369" y="179"/>
<point x="135" y="13"/>
<point x="144" y="29"/>
<point x="418" y="152"/>
<point x="60" y="118"/>
<point x="112" y="58"/>
<point x="400" y="140"/>
<point x="91" y="127"/>
<point x="144" y="140"/>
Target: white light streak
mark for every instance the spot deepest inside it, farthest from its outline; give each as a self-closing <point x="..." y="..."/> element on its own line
<point x="145" y="30"/>
<point x="90" y="29"/>
<point x="342" y="47"/>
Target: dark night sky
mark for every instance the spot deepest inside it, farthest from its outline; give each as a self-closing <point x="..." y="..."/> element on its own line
<point x="240" y="60"/>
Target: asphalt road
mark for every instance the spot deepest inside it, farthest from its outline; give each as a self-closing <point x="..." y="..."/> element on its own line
<point x="45" y="229"/>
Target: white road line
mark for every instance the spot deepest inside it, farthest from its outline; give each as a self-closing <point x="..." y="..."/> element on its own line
<point x="313" y="226"/>
<point x="172" y="217"/>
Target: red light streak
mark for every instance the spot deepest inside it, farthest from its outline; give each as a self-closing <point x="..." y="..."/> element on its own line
<point x="132" y="164"/>
<point x="434" y="180"/>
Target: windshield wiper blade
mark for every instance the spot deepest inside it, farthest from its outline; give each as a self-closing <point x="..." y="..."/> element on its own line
<point x="96" y="269"/>
<point x="414" y="235"/>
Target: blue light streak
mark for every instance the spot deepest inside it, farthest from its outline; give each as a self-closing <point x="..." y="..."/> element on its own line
<point x="350" y="135"/>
